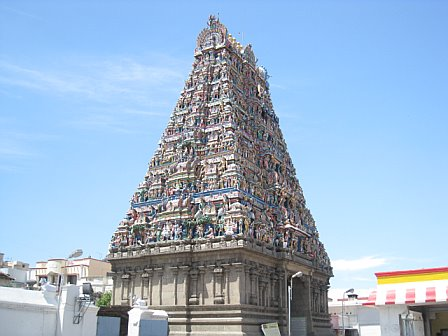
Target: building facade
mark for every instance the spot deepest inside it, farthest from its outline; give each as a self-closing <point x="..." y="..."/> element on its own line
<point x="75" y="272"/>
<point x="412" y="302"/>
<point x="219" y="223"/>
<point x="350" y="316"/>
<point x="13" y="273"/>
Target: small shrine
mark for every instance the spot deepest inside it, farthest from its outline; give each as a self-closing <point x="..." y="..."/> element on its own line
<point x="219" y="223"/>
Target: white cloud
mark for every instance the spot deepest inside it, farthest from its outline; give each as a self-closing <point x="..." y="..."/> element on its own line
<point x="102" y="122"/>
<point x="121" y="80"/>
<point x="338" y="293"/>
<point x="102" y="94"/>
<point x="144" y="113"/>
<point x="19" y="12"/>
<point x="11" y="150"/>
<point x="128" y="70"/>
<point x="358" y="264"/>
<point x="19" y="148"/>
<point x="16" y="144"/>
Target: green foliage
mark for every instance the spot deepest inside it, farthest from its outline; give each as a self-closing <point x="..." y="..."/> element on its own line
<point x="137" y="228"/>
<point x="189" y="223"/>
<point x="204" y="220"/>
<point x="104" y="300"/>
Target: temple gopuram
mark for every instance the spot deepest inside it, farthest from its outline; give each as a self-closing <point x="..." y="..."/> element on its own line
<point x="219" y="224"/>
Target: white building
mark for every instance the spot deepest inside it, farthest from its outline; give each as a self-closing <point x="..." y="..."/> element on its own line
<point x="16" y="270"/>
<point x="348" y="313"/>
<point x="76" y="272"/>
<point x="412" y="302"/>
<point x="404" y="303"/>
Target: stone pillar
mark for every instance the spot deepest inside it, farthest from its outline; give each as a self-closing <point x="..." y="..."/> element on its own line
<point x="193" y="299"/>
<point x="314" y="299"/>
<point x="308" y="287"/>
<point x="262" y="288"/>
<point x="144" y="285"/>
<point x="322" y="298"/>
<point x="283" y="289"/>
<point x="218" y="285"/>
<point x="125" y="293"/>
<point x="246" y="284"/>
<point x="175" y="272"/>
<point x="327" y="287"/>
<point x="159" y="272"/>
<point x="253" y="287"/>
<point x="201" y="284"/>
<point x="114" y="294"/>
<point x="268" y="290"/>
<point x="274" y="290"/>
<point x="238" y="287"/>
<point x="150" y="284"/>
<point x="183" y="285"/>
<point x="226" y="286"/>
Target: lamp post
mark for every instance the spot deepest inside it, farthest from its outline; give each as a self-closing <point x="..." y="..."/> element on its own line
<point x="297" y="275"/>
<point x="351" y="290"/>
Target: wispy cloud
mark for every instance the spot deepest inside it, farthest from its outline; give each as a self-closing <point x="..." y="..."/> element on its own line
<point x="144" y="113"/>
<point x="13" y="144"/>
<point x="19" y="148"/>
<point x="128" y="70"/>
<point x="27" y="136"/>
<point x="277" y="86"/>
<point x="108" y="94"/>
<point x="102" y="122"/>
<point x="338" y="293"/>
<point x="358" y="264"/>
<point x="362" y="279"/>
<point x="123" y="80"/>
<point x="14" y="154"/>
<point x="32" y="79"/>
<point x="11" y="150"/>
<point x="20" y="12"/>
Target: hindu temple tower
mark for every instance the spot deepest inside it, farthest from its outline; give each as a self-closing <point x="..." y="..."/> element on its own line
<point x="219" y="223"/>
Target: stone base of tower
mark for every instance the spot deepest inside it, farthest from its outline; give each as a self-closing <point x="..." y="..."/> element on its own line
<point x="223" y="286"/>
<point x="222" y="320"/>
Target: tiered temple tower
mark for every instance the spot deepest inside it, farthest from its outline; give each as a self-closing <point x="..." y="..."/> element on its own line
<point x="219" y="224"/>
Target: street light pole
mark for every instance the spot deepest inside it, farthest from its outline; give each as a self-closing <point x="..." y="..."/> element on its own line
<point x="351" y="290"/>
<point x="297" y="275"/>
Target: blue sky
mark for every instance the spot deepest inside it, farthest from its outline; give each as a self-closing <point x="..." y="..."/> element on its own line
<point x="360" y="87"/>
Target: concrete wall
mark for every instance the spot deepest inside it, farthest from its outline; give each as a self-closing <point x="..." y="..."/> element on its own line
<point x="390" y="323"/>
<point x="42" y="313"/>
<point x="87" y="324"/>
<point x="26" y="313"/>
<point x="19" y="275"/>
<point x="390" y="320"/>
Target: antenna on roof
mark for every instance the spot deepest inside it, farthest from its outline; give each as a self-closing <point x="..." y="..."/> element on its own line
<point x="242" y="37"/>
